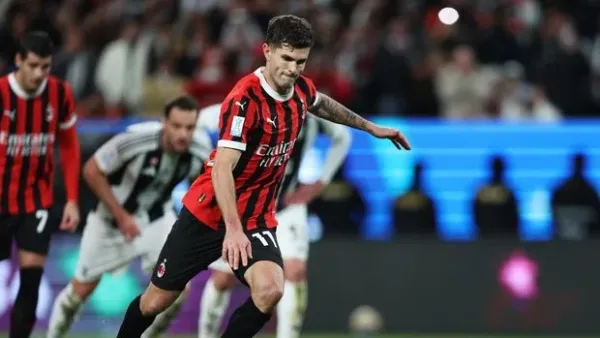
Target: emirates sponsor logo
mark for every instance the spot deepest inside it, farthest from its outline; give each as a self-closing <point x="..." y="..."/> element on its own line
<point x="275" y="156"/>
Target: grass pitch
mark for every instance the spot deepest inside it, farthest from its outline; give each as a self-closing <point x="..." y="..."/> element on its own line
<point x="322" y="335"/>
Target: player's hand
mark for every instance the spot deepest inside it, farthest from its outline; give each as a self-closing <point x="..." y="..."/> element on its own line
<point x="305" y="193"/>
<point x="128" y="226"/>
<point x="394" y="135"/>
<point x="236" y="245"/>
<point x="70" y="218"/>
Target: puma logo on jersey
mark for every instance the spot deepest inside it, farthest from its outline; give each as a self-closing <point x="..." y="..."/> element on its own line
<point x="272" y="121"/>
<point x="241" y="105"/>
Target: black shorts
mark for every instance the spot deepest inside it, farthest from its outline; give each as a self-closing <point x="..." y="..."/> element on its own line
<point x="192" y="246"/>
<point x="32" y="232"/>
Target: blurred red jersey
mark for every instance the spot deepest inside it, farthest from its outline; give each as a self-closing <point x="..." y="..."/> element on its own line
<point x="29" y="126"/>
<point x="264" y="126"/>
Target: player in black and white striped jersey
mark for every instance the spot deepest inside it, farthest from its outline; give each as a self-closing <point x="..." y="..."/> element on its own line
<point x="133" y="176"/>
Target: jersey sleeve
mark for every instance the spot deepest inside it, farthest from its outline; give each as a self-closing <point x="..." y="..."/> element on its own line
<point x="237" y="118"/>
<point x="67" y="115"/>
<point x="117" y="151"/>
<point x="313" y="96"/>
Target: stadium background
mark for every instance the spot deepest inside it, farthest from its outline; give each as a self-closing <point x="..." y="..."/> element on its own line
<point x="530" y="95"/>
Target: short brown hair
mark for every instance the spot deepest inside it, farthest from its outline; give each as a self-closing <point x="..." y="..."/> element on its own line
<point x="183" y="103"/>
<point x="290" y="29"/>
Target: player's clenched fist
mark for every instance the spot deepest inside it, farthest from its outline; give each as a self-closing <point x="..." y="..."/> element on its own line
<point x="128" y="226"/>
<point x="235" y="245"/>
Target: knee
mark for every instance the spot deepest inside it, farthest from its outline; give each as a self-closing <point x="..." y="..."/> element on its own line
<point x="266" y="284"/>
<point x="295" y="270"/>
<point x="83" y="289"/>
<point x="222" y="281"/>
<point x="155" y="301"/>
<point x="267" y="294"/>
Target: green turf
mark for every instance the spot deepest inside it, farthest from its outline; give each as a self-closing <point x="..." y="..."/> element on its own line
<point x="77" y="335"/>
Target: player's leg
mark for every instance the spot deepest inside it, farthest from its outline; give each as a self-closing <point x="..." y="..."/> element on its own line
<point x="33" y="233"/>
<point x="103" y="249"/>
<point x="291" y="308"/>
<point x="264" y="276"/>
<point x="292" y="234"/>
<point x="163" y="320"/>
<point x="215" y="299"/>
<point x="156" y="235"/>
<point x="67" y="306"/>
<point x="189" y="249"/>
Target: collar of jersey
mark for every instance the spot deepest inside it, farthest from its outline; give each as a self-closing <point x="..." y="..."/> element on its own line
<point x="272" y="92"/>
<point x="14" y="85"/>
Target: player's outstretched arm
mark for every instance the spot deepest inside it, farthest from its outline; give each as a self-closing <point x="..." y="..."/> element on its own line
<point x="236" y="245"/>
<point x="331" y="110"/>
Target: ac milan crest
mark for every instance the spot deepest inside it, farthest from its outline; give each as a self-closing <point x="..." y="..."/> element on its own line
<point x="162" y="268"/>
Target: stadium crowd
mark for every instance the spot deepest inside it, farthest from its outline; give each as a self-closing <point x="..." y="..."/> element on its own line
<point x="507" y="59"/>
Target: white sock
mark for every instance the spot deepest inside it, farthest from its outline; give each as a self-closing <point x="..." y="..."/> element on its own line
<point x="163" y="320"/>
<point x="64" y="311"/>
<point x="290" y="310"/>
<point x="212" y="309"/>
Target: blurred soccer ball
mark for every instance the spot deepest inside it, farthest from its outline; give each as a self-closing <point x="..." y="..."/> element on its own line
<point x="365" y="319"/>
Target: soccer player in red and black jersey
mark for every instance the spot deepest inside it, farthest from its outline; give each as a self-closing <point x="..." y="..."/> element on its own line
<point x="230" y="209"/>
<point x="37" y="110"/>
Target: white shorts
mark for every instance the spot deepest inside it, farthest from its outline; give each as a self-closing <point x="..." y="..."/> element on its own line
<point x="292" y="236"/>
<point x="104" y="249"/>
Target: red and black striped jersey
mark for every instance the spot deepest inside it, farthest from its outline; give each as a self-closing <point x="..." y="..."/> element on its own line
<point x="264" y="126"/>
<point x="28" y="129"/>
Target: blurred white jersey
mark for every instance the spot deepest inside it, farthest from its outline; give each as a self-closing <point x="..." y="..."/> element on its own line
<point x="142" y="175"/>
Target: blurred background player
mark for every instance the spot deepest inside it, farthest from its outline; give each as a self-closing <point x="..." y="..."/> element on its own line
<point x="37" y="109"/>
<point x="208" y="123"/>
<point x="292" y="235"/>
<point x="133" y="176"/>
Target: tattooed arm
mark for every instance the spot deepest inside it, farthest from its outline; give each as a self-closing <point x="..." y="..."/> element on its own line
<point x="329" y="109"/>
